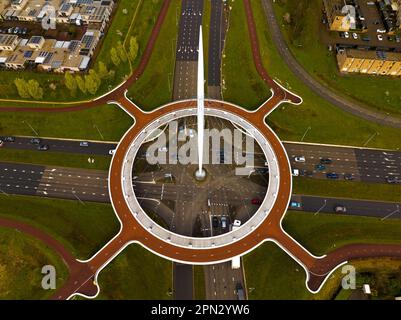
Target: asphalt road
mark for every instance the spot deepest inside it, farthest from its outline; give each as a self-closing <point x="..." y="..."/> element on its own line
<point x="325" y="92"/>
<point x="185" y="86"/>
<point x="378" y="209"/>
<point x="367" y="165"/>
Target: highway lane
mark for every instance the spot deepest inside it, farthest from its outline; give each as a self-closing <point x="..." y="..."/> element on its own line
<point x="54" y="182"/>
<point x="367" y="165"/>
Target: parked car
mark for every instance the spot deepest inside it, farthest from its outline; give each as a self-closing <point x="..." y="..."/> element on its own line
<point x="295" y="172"/>
<point x="215" y="222"/>
<point x="300" y="159"/>
<point x="380" y="37"/>
<point x="326" y="161"/>
<point x="84" y="144"/>
<point x="381" y="30"/>
<point x="223" y="222"/>
<point x="112" y="151"/>
<point x="349" y="176"/>
<point x="332" y="175"/>
<point x="8" y="139"/>
<point x="346" y="34"/>
<point x="295" y="204"/>
<point x="1" y="143"/>
<point x="36" y="141"/>
<point x="305" y="173"/>
<point x="320" y="167"/>
<point x="43" y="147"/>
<point x="340" y="209"/>
<point x="355" y="36"/>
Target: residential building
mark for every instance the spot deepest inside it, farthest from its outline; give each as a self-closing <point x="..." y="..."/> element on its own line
<point x="369" y="62"/>
<point x="340" y="15"/>
<point x="8" y="42"/>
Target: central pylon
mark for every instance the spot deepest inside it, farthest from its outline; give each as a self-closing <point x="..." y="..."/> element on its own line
<point x="200" y="173"/>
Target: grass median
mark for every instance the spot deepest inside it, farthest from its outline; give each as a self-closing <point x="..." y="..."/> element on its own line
<point x="347" y="189"/>
<point x="272" y="274"/>
<point x="21" y="260"/>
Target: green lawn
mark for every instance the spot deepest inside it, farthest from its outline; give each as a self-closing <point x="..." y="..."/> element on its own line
<point x="83" y="229"/>
<point x="347" y="189"/>
<point x="136" y="274"/>
<point x="272" y="274"/>
<point x="328" y="123"/>
<point x="144" y="12"/>
<point x="49" y="158"/>
<point x="154" y="88"/>
<point x="21" y="260"/>
<point x="305" y="37"/>
<point x="242" y="84"/>
<point x="111" y="121"/>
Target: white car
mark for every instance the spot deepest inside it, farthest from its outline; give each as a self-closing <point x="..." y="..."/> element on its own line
<point x="295" y="172"/>
<point x="300" y="159"/>
<point x="112" y="151"/>
<point x="381" y="30"/>
<point x="380" y="37"/>
<point x="346" y="34"/>
<point x="163" y="149"/>
<point x="355" y="36"/>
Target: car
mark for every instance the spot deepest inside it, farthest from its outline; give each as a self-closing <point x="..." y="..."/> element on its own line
<point x="346" y="34"/>
<point x="300" y="159"/>
<point x="320" y="167"/>
<point x="256" y="201"/>
<point x="349" y="176"/>
<point x="43" y="147"/>
<point x="36" y="141"/>
<point x="326" y="161"/>
<point x="223" y="222"/>
<point x="295" y="172"/>
<point x="332" y="175"/>
<point x="16" y="30"/>
<point x="380" y="37"/>
<point x="215" y="222"/>
<point x="84" y="144"/>
<point x="341" y="34"/>
<point x="393" y="180"/>
<point x="295" y="204"/>
<point x="8" y="139"/>
<point x="24" y="30"/>
<point x="306" y="173"/>
<point x="340" y="209"/>
<point x="1" y="143"/>
<point x="381" y="30"/>
<point x="397" y="38"/>
<point x="355" y="36"/>
<point x="112" y="151"/>
<point x="163" y="149"/>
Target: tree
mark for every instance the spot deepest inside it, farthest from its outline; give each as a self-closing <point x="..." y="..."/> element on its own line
<point x="71" y="83"/>
<point x="102" y="70"/>
<point x="133" y="48"/>
<point x="35" y="90"/>
<point x="92" y="82"/>
<point x="121" y="52"/>
<point x="80" y="84"/>
<point x="114" y="57"/>
<point x="22" y="88"/>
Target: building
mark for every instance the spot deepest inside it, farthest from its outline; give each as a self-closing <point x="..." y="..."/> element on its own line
<point x="8" y="42"/>
<point x="340" y="15"/>
<point x="48" y="55"/>
<point x="369" y="62"/>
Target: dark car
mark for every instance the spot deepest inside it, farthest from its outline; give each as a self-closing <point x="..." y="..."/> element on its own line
<point x="305" y="173"/>
<point x="349" y="176"/>
<point x="340" y="209"/>
<point x="215" y="222"/>
<point x="8" y="139"/>
<point x="332" y="175"/>
<point x="43" y="147"/>
<point x="320" y="167"/>
<point x="36" y="141"/>
<point x="326" y="161"/>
